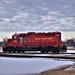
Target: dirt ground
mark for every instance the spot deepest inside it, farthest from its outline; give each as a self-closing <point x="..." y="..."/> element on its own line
<point x="63" y="70"/>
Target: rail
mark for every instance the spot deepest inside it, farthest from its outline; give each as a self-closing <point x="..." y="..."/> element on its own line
<point x="39" y="55"/>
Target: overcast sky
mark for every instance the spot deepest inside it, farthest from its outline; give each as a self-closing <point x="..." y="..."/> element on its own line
<point x="37" y="15"/>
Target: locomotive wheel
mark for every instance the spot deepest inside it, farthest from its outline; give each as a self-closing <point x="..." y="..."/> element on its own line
<point x="47" y="50"/>
<point x="13" y="51"/>
<point x="43" y="50"/>
<point x="54" y="51"/>
<point x="57" y="51"/>
<point x="9" y="51"/>
<point x="22" y="51"/>
<point x="18" y="51"/>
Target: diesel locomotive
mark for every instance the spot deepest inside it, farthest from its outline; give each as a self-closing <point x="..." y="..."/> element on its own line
<point x="32" y="41"/>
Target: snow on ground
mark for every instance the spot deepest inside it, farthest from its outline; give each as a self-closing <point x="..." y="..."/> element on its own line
<point x="70" y="51"/>
<point x="19" y="66"/>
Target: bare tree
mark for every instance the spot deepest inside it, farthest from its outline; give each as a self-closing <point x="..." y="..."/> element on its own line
<point x="5" y="41"/>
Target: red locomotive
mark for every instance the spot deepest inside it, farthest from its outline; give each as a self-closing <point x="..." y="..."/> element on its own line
<point x="31" y="41"/>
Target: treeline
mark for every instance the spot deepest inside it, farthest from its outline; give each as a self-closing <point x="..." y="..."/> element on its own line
<point x="70" y="42"/>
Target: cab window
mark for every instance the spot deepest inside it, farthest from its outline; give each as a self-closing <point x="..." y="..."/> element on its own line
<point x="21" y="39"/>
<point x="14" y="37"/>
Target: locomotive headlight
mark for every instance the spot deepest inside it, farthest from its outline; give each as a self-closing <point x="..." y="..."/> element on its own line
<point x="15" y="41"/>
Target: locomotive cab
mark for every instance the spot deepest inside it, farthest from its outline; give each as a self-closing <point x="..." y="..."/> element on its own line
<point x="18" y="37"/>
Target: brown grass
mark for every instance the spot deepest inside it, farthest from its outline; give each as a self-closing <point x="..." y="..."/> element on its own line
<point x="59" y="71"/>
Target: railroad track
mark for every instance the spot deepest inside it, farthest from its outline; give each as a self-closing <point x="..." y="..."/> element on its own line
<point x="39" y="55"/>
